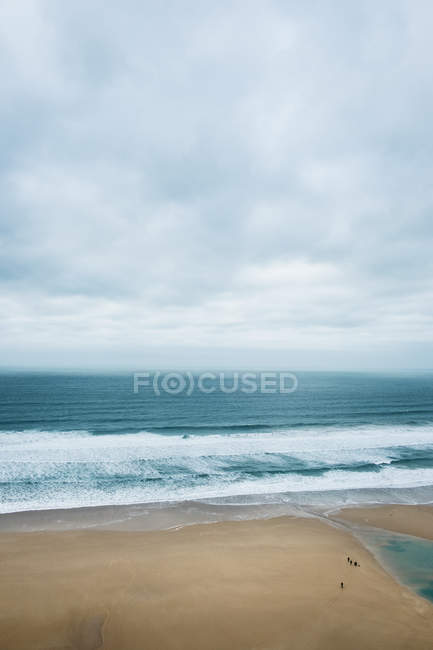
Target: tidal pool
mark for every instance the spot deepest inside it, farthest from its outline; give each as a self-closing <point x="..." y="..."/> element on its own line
<point x="409" y="559"/>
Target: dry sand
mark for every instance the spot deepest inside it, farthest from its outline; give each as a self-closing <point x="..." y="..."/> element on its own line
<point x="411" y="520"/>
<point x="272" y="584"/>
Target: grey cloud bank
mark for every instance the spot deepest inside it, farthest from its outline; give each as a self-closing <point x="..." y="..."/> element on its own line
<point x="232" y="183"/>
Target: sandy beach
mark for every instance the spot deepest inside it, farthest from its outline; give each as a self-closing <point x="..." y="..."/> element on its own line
<point x="262" y="584"/>
<point x="411" y="520"/>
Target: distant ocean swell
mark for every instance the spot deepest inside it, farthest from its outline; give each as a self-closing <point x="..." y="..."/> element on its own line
<point x="53" y="469"/>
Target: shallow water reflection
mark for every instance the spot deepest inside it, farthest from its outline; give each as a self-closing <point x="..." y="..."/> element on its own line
<point x="410" y="559"/>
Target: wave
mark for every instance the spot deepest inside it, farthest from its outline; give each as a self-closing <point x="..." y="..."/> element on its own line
<point x="258" y="426"/>
<point x="40" y="469"/>
<point x="143" y="471"/>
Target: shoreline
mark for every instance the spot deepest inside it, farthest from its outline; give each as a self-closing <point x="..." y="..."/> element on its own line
<point x="416" y="521"/>
<point x="234" y="585"/>
<point x="142" y="517"/>
<point x="160" y="515"/>
<point x="265" y="583"/>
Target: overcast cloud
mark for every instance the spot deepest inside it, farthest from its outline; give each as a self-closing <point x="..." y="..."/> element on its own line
<point x="221" y="183"/>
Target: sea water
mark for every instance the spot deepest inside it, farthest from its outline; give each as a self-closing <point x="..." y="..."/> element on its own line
<point x="72" y="439"/>
<point x="409" y="558"/>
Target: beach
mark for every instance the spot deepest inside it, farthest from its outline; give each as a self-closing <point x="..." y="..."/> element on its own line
<point x="410" y="520"/>
<point x="216" y="290"/>
<point x="213" y="521"/>
<point x="257" y="584"/>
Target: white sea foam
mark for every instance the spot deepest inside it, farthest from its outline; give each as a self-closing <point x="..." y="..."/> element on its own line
<point x="157" y="445"/>
<point x="41" y="469"/>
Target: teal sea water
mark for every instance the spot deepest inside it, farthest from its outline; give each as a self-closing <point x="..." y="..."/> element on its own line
<point x="409" y="558"/>
<point x="69" y="440"/>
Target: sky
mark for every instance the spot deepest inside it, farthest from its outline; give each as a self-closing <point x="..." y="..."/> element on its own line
<point x="220" y="184"/>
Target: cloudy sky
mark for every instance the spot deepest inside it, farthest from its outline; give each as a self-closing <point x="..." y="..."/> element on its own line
<point x="216" y="183"/>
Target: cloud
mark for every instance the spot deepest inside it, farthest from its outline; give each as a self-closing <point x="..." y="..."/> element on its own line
<point x="199" y="177"/>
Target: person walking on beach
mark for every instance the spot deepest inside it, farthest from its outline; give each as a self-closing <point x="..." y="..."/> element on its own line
<point x="342" y="585"/>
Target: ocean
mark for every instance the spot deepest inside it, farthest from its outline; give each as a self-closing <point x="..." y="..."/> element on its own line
<point x="75" y="439"/>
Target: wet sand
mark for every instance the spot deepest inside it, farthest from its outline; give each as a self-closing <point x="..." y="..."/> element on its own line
<point x="263" y="584"/>
<point x="410" y="520"/>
